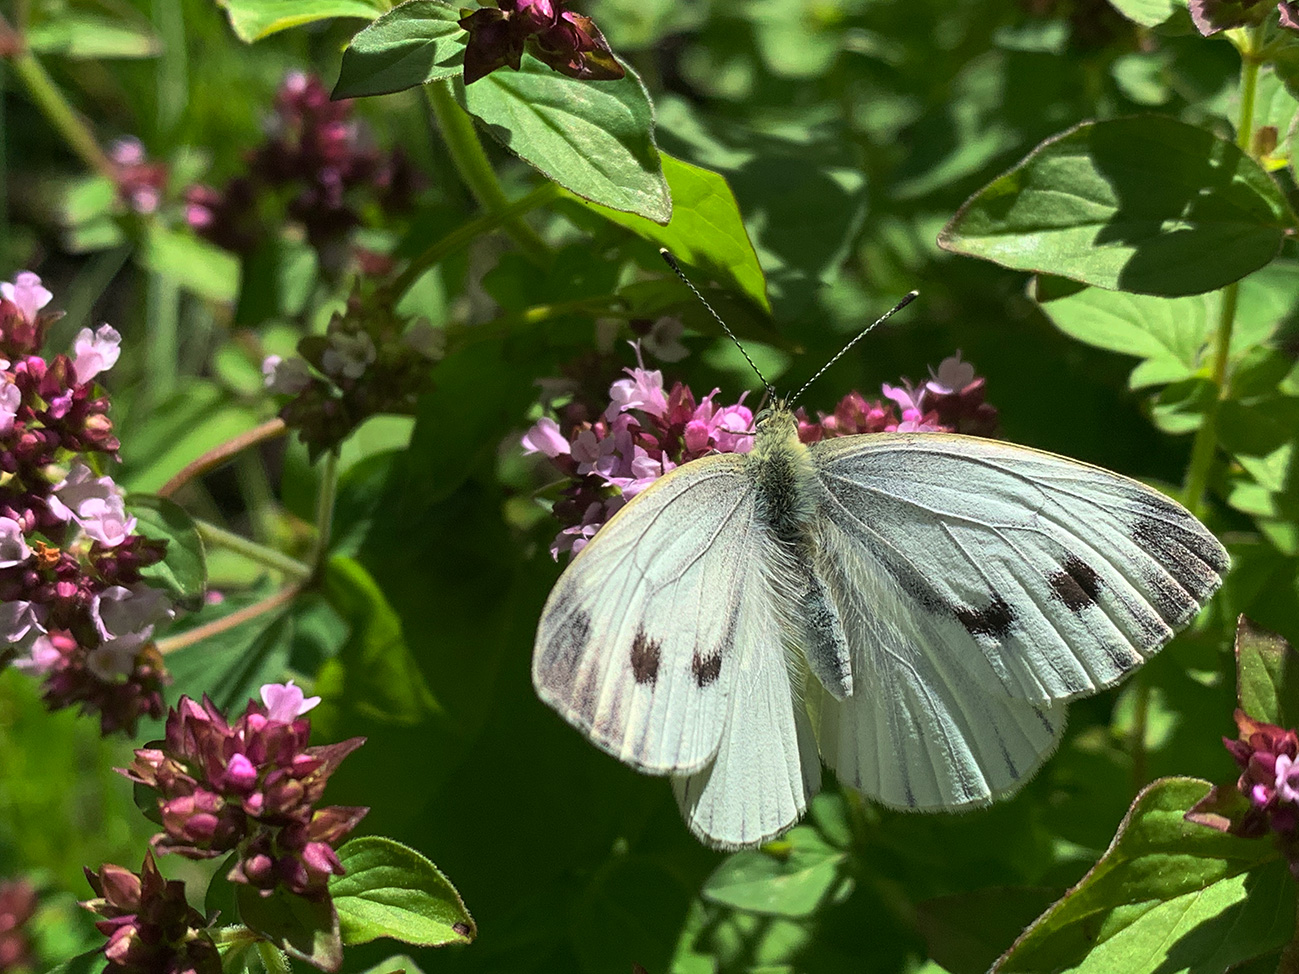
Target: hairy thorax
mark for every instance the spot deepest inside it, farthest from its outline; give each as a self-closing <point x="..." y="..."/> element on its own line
<point x="786" y="479"/>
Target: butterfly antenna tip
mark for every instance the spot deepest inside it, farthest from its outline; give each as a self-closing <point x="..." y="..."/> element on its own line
<point x="906" y="300"/>
<point x="676" y="269"/>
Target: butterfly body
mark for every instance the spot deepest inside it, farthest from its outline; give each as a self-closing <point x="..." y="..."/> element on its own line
<point x="912" y="608"/>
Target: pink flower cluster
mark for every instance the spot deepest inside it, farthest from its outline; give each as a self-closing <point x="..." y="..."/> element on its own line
<point x="1268" y="757"/>
<point x="318" y="159"/>
<point x="564" y="40"/>
<point x="140" y="183"/>
<point x="150" y="926"/>
<point x="74" y="607"/>
<point x="251" y="787"/>
<point x="1213" y="16"/>
<point x="644" y="432"/>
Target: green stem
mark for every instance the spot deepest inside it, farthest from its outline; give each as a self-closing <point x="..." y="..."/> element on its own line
<point x="162" y="324"/>
<point x="475" y="169"/>
<point x="325" y="509"/>
<point x="1140" y="731"/>
<point x="1205" y="447"/>
<point x="468" y="232"/>
<point x="4" y="177"/>
<point x="171" y="75"/>
<point x="42" y="89"/>
<point x="211" y="534"/>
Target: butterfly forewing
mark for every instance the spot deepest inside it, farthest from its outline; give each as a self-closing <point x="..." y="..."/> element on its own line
<point x="638" y="642"/>
<point x="1038" y="575"/>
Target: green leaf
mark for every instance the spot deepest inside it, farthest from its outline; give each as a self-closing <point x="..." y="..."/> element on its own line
<point x="1148" y="13"/>
<point x="1168" y="332"/>
<point x="195" y="264"/>
<point x="1144" y="204"/>
<point x="305" y="929"/>
<point x="1267" y="675"/>
<point x="417" y="42"/>
<point x="594" y="138"/>
<point x="252" y="20"/>
<point x="183" y="572"/>
<point x="800" y="875"/>
<point x="390" y="890"/>
<point x="85" y="37"/>
<point x="706" y="230"/>
<point x="374" y="673"/>
<point x="1180" y="407"/>
<point x="1167" y="894"/>
<point x="231" y="666"/>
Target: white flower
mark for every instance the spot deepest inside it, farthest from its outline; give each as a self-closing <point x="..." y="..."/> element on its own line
<point x="286" y="377"/>
<point x="13" y="545"/>
<point x="348" y="355"/>
<point x="95" y="504"/>
<point x="285" y="702"/>
<point x="118" y="611"/>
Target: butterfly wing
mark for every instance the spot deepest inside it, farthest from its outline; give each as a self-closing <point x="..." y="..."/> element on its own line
<point x="979" y="583"/>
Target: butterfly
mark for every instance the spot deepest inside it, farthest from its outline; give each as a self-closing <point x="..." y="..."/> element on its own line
<point x="915" y="609"/>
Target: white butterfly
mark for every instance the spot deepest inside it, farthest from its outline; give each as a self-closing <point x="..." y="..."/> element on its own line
<point x="917" y="607"/>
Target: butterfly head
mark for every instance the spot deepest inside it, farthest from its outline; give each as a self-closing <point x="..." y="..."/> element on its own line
<point x="776" y="422"/>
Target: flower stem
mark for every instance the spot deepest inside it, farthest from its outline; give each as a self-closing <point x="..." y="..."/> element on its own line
<point x="475" y="169"/>
<point x="325" y="510"/>
<point x="211" y="534"/>
<point x="274" y="959"/>
<point x="199" y="633"/>
<point x="223" y="452"/>
<point x="42" y="89"/>
<point x="1205" y="447"/>
<point x="467" y="232"/>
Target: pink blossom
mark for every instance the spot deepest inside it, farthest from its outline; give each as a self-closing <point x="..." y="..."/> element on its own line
<point x="11" y="397"/>
<point x="26" y="292"/>
<point x="285" y="702"/>
<point x="20" y="620"/>
<point x="545" y="438"/>
<point x="120" y="611"/>
<point x="95" y="504"/>
<point x="951" y="377"/>
<point x="13" y="544"/>
<point x="41" y="657"/>
<point x="1287" y="778"/>
<point x="95" y="352"/>
<point x="644" y="391"/>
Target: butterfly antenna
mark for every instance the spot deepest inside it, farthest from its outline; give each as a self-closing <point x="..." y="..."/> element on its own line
<point x="672" y="262"/>
<point x="911" y="296"/>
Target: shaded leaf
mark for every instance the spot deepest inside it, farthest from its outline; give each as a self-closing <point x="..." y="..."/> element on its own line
<point x="594" y="138"/>
<point x="183" y="572"/>
<point x="231" y="666"/>
<point x="198" y="266"/>
<point x="1147" y="13"/>
<point x="706" y="229"/>
<point x="967" y="932"/>
<point x="790" y="877"/>
<point x="305" y="929"/>
<point x="374" y="673"/>
<point x="1145" y="204"/>
<point x="86" y="37"/>
<point x="1267" y="675"/>
<point x="417" y="42"/>
<point x="1134" y="910"/>
<point x="390" y="890"/>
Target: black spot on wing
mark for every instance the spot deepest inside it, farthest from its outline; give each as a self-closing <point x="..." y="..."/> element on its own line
<point x="994" y="619"/>
<point x="563" y="653"/>
<point x="645" y="654"/>
<point x="1076" y="585"/>
<point x="706" y="668"/>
